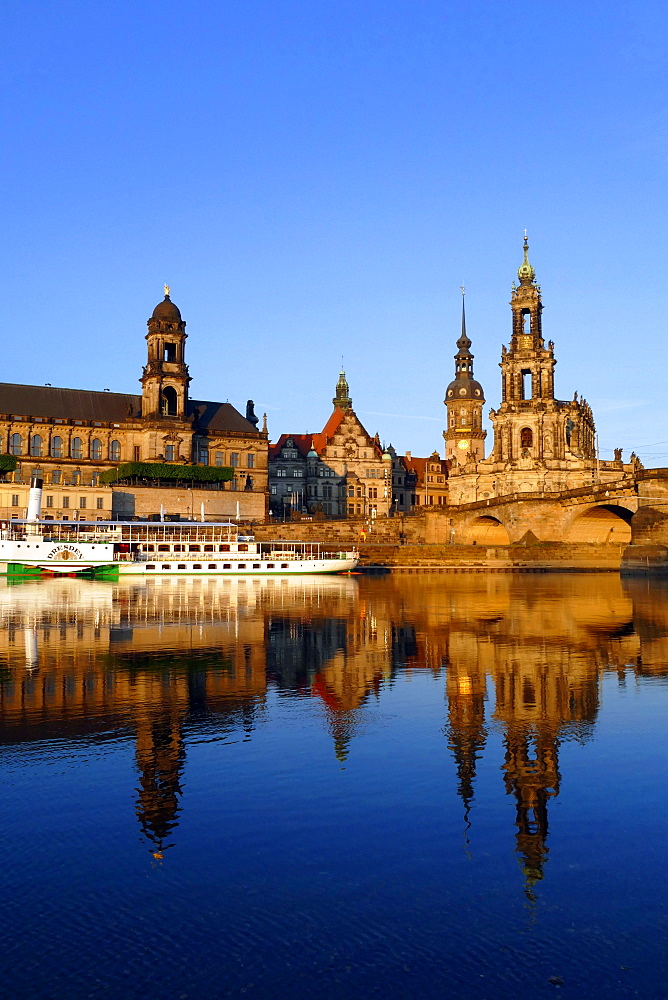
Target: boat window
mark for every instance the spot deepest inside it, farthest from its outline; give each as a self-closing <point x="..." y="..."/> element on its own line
<point x="163" y="548"/>
<point x="150" y="548"/>
<point x="243" y="548"/>
<point x="150" y="565"/>
<point x="197" y="565"/>
<point x="166" y="566"/>
<point x="256" y="565"/>
<point x="223" y="548"/>
<point x="215" y="566"/>
<point x="179" y="548"/>
<point x="284" y="565"/>
<point x="181" y="566"/>
<point x="194" y="548"/>
<point x="271" y="565"/>
<point x="241" y="566"/>
<point x="207" y="548"/>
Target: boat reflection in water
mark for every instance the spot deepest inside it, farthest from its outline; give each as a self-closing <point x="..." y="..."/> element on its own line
<point x="515" y="669"/>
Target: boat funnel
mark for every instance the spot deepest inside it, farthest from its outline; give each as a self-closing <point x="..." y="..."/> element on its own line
<point x="35" y="499"/>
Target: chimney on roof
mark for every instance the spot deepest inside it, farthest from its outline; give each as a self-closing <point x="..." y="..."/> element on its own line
<point x="408" y="455"/>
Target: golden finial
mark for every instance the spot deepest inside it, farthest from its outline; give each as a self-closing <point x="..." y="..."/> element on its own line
<point x="166" y="291"/>
<point x="463" y="289"/>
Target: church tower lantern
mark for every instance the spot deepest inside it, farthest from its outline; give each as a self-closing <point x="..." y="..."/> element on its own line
<point x="342" y="393"/>
<point x="165" y="379"/>
<point x="464" y="400"/>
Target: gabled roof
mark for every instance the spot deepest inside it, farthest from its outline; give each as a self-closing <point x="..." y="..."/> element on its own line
<point x="302" y="444"/>
<point x="419" y="465"/>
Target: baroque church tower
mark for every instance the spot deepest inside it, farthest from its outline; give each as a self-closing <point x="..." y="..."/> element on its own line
<point x="464" y="399"/>
<point x="531" y="424"/>
<point x="541" y="443"/>
<point x="165" y="379"/>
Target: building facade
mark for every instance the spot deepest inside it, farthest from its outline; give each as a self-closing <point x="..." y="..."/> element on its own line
<point x="340" y="472"/>
<point x="68" y="437"/>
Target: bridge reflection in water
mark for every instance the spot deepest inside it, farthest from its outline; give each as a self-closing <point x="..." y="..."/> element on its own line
<point x="519" y="665"/>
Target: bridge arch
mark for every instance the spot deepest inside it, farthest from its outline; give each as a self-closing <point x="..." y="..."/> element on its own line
<point x="602" y="523"/>
<point x="486" y="530"/>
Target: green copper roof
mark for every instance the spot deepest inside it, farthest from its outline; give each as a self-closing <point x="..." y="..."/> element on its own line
<point x="525" y="271"/>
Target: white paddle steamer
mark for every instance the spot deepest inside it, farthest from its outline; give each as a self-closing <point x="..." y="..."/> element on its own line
<point x="153" y="548"/>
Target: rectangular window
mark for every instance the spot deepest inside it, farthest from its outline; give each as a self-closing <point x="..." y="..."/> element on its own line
<point x="297" y="473"/>
<point x="56" y="477"/>
<point x="219" y="458"/>
<point x="66" y="502"/>
<point x="82" y="502"/>
<point x="169" y="453"/>
<point x="281" y="472"/>
<point x="250" y="461"/>
<point x="136" y="451"/>
<point x="234" y="459"/>
<point x="274" y="490"/>
<point x="99" y="503"/>
<point x="49" y="501"/>
<point x="15" y="499"/>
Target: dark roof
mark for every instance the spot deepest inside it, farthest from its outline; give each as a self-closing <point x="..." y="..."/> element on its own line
<point x="166" y="310"/>
<point x="108" y="407"/>
<point x="220" y="417"/>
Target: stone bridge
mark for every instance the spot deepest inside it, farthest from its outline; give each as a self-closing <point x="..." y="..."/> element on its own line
<point x="602" y="512"/>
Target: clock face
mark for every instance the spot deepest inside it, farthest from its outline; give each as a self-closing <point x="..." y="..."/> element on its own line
<point x="462" y="445"/>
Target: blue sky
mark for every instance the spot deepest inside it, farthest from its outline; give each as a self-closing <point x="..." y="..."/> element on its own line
<point x="315" y="181"/>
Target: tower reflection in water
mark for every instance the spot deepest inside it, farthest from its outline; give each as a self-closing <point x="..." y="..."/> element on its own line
<point x="172" y="661"/>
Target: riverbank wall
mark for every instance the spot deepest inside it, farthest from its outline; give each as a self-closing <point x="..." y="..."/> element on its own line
<point x="404" y="545"/>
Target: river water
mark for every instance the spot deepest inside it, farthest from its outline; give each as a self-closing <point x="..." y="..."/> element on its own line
<point x="432" y="786"/>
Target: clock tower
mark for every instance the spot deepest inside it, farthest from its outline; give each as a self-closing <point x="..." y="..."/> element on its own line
<point x="464" y="400"/>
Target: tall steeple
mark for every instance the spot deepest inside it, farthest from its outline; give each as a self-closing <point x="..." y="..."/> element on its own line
<point x="464" y="399"/>
<point x="341" y="397"/>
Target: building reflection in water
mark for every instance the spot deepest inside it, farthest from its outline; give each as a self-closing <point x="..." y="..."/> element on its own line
<point x="195" y="658"/>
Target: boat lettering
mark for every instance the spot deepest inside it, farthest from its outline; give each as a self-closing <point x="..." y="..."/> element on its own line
<point x="64" y="552"/>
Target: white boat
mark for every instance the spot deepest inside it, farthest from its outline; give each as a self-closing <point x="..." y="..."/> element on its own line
<point x="140" y="548"/>
<point x="153" y="548"/>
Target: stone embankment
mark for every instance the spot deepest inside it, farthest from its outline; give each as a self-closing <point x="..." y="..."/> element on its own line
<point x="398" y="545"/>
<point x="541" y="558"/>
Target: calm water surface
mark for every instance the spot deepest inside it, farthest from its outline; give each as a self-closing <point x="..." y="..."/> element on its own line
<point x="431" y="786"/>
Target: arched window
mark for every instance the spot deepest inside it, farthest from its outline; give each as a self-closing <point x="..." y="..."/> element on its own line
<point x="36" y="446"/>
<point x="169" y="401"/>
<point x="96" y="450"/>
<point x="56" y="447"/>
<point x="115" y="451"/>
<point x="526" y="437"/>
<point x="15" y="444"/>
<point x="77" y="448"/>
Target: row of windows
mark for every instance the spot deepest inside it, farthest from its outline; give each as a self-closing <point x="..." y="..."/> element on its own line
<point x="151" y="566"/>
<point x="38" y="447"/>
<point x="235" y="457"/>
<point x="58" y="448"/>
<point x="64" y="502"/>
